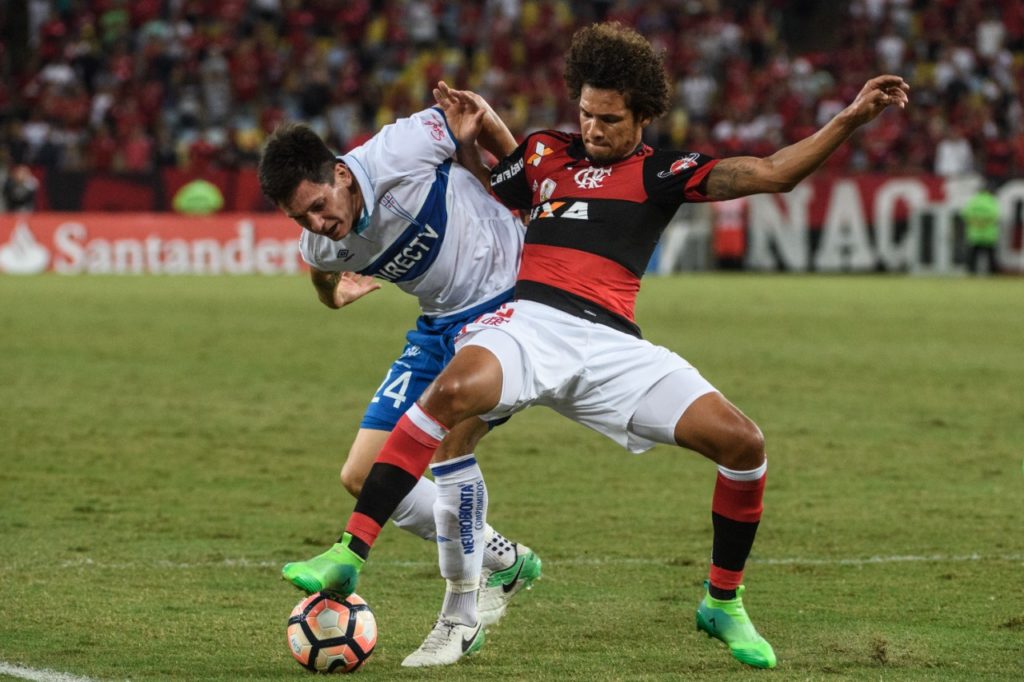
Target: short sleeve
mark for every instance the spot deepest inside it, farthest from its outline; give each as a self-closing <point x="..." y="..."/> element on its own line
<point x="509" y="182"/>
<point x="421" y="139"/>
<point x="675" y="177"/>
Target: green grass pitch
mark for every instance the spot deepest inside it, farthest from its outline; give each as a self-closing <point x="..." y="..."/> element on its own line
<point x="167" y="443"/>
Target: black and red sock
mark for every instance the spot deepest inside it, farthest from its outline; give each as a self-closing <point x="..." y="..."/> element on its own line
<point x="400" y="464"/>
<point x="735" y="514"/>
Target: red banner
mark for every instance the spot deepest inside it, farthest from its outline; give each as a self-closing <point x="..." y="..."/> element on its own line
<point x="826" y="224"/>
<point x="148" y="243"/>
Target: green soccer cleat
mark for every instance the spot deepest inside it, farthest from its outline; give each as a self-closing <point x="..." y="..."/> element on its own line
<point x="498" y="587"/>
<point x="336" y="570"/>
<point x="728" y="621"/>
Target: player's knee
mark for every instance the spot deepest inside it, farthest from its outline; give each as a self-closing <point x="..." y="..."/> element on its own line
<point x="352" y="478"/>
<point x="746" y="447"/>
<point x="449" y="399"/>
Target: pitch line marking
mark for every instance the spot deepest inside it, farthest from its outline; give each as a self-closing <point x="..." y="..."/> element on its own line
<point x="39" y="674"/>
<point x="935" y="558"/>
<point x="86" y="562"/>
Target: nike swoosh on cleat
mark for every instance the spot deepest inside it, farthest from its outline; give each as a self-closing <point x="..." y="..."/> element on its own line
<point x="510" y="585"/>
<point x="468" y="643"/>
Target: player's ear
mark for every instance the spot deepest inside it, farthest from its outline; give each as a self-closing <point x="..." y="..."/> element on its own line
<point x="342" y="174"/>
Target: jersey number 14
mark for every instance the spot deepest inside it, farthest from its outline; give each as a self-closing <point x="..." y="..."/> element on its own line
<point x="395" y="389"/>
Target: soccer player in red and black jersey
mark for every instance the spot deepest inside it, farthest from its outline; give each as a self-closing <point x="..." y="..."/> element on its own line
<point x="598" y="201"/>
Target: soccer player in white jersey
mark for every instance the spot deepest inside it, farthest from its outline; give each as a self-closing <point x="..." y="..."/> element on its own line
<point x="397" y="208"/>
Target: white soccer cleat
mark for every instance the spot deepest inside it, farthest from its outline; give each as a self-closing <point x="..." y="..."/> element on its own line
<point x="447" y="643"/>
<point x="498" y="587"/>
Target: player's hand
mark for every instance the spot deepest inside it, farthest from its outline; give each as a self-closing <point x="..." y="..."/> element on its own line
<point x="465" y="111"/>
<point x="352" y="286"/>
<point x="878" y="94"/>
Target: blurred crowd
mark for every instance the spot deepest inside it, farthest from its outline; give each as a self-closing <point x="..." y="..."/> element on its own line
<point x="130" y="86"/>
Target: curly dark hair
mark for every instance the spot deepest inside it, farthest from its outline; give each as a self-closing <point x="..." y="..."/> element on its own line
<point x="611" y="56"/>
<point x="293" y="153"/>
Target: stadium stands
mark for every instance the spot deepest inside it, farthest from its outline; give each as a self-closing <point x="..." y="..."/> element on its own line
<point x="167" y="90"/>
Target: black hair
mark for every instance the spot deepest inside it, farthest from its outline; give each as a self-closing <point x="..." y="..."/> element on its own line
<point x="611" y="56"/>
<point x="294" y="153"/>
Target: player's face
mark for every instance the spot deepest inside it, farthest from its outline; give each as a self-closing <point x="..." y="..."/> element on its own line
<point x="330" y="210"/>
<point x="610" y="129"/>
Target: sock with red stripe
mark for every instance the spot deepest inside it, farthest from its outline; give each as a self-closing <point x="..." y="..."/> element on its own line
<point x="401" y="462"/>
<point x="735" y="513"/>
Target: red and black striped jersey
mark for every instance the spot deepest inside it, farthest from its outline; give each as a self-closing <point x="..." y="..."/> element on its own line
<point x="593" y="227"/>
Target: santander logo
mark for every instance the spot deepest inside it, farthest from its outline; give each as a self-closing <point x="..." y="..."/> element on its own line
<point x="22" y="254"/>
<point x="135" y="244"/>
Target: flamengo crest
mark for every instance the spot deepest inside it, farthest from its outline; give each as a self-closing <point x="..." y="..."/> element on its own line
<point x="592" y="178"/>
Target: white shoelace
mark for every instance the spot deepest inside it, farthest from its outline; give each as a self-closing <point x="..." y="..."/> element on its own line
<point x="439" y="636"/>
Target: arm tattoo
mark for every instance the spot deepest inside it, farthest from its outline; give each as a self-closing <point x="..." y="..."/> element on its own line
<point x="730" y="178"/>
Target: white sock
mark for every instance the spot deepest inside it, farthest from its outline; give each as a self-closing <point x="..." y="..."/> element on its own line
<point x="460" y="513"/>
<point x="460" y="602"/>
<point x="499" y="551"/>
<point x="415" y="513"/>
<point x="752" y="475"/>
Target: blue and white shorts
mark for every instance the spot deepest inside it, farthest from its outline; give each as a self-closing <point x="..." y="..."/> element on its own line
<point x="429" y="347"/>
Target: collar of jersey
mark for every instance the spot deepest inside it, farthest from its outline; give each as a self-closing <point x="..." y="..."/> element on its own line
<point x="578" y="150"/>
<point x="365" y="189"/>
<point x="364" y="222"/>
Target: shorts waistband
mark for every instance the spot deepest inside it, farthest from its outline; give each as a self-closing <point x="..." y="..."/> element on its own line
<point x="576" y="306"/>
<point x="472" y="312"/>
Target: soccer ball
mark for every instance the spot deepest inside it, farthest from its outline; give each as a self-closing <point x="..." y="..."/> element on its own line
<point x="329" y="634"/>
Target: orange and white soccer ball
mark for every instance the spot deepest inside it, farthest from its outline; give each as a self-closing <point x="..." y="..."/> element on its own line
<point x="329" y="634"/>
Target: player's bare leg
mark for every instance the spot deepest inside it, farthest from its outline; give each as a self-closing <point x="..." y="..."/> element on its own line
<point x="460" y="511"/>
<point x="718" y="430"/>
<point x="415" y="513"/>
<point x="462" y="390"/>
<point x="508" y="566"/>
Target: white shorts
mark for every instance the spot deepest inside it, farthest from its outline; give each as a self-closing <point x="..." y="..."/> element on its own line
<point x="589" y="372"/>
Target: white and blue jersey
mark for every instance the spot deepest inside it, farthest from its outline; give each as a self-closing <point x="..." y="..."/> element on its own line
<point x="436" y="233"/>
<point x="433" y="230"/>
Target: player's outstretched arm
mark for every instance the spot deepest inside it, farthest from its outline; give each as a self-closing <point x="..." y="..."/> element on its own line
<point x="493" y="135"/>
<point x="338" y="289"/>
<point x="466" y="113"/>
<point x="469" y="157"/>
<point x="782" y="171"/>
